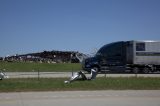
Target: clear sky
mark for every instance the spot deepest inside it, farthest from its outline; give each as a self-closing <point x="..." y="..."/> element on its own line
<point x="28" y="26"/>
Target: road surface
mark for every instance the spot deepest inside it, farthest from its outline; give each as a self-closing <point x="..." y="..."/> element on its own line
<point x="69" y="74"/>
<point x="82" y="98"/>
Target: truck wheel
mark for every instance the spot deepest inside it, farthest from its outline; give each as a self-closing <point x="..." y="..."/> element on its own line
<point x="135" y="70"/>
<point x="146" y="70"/>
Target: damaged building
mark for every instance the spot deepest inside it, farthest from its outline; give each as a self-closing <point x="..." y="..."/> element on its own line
<point x="47" y="56"/>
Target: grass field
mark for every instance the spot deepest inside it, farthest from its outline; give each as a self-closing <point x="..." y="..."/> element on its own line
<point x="57" y="84"/>
<point x="28" y="67"/>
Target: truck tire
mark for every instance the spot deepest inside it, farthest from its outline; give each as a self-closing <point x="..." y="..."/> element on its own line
<point x="135" y="70"/>
<point x="146" y="70"/>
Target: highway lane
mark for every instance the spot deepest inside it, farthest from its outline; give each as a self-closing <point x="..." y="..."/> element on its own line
<point x="69" y="74"/>
<point x="82" y="98"/>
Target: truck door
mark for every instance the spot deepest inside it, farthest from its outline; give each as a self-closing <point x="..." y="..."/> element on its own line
<point x="129" y="52"/>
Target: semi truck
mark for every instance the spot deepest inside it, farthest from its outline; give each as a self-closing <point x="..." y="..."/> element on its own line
<point x="126" y="56"/>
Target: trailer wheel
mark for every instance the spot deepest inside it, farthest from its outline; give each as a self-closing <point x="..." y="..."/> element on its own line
<point x="146" y="70"/>
<point x="135" y="70"/>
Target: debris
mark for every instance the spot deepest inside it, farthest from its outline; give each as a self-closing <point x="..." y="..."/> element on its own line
<point x="3" y="75"/>
<point x="93" y="74"/>
<point x="81" y="76"/>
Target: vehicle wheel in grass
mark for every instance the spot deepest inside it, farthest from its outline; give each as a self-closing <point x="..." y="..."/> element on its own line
<point x="135" y="70"/>
<point x="146" y="70"/>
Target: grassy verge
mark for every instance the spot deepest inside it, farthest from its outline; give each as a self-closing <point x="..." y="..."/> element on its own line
<point x="26" y="66"/>
<point x="57" y="84"/>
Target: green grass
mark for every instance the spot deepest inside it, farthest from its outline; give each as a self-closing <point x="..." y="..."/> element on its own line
<point x="28" y="67"/>
<point x="57" y="84"/>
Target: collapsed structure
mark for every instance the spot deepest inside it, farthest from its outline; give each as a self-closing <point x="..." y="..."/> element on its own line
<point x="48" y="57"/>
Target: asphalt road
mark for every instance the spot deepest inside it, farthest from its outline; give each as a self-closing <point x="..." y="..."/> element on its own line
<point x="82" y="98"/>
<point x="69" y="74"/>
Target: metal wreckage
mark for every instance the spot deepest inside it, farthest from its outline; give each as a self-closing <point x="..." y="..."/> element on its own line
<point x="3" y="75"/>
<point x="81" y="76"/>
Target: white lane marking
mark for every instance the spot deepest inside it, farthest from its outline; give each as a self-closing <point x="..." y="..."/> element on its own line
<point x="68" y="96"/>
<point x="108" y="95"/>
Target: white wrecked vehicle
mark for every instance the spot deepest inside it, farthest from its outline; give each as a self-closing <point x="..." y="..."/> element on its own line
<point x="81" y="76"/>
<point x="3" y="75"/>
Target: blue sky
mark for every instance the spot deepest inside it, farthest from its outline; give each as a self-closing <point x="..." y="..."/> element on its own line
<point x="28" y="26"/>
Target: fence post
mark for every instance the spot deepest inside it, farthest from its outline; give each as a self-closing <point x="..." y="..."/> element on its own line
<point x="72" y="71"/>
<point x="136" y="74"/>
<point x="38" y="75"/>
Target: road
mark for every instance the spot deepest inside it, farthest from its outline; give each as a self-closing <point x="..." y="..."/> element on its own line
<point x="82" y="98"/>
<point x="69" y="74"/>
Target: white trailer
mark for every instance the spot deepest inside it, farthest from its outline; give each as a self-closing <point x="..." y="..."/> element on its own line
<point x="146" y="52"/>
<point x="145" y="55"/>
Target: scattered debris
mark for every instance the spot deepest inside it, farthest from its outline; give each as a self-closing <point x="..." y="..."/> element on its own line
<point x="3" y="75"/>
<point x="81" y="76"/>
